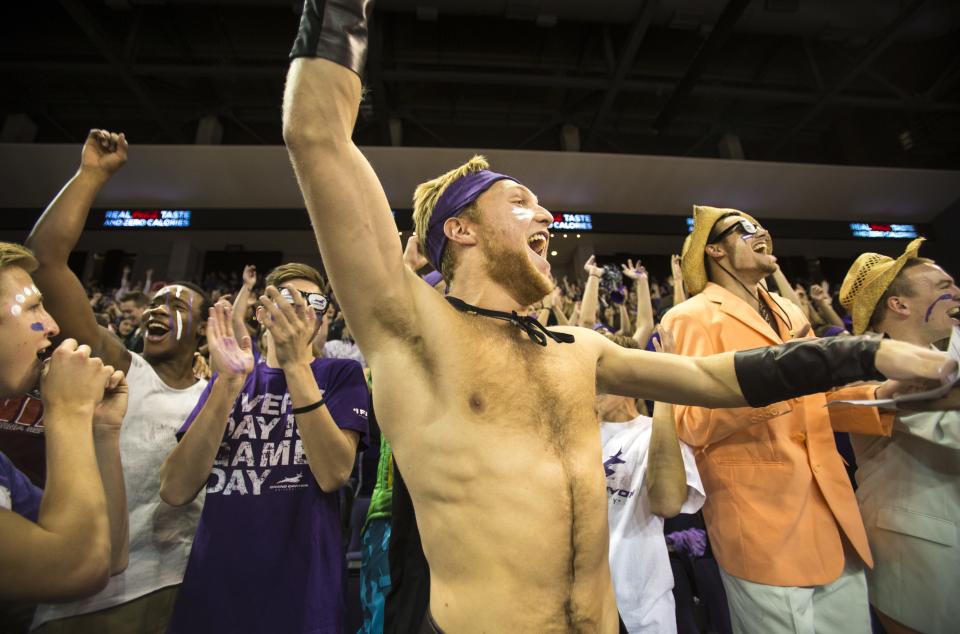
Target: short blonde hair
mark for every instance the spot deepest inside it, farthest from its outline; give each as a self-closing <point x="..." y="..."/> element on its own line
<point x="12" y="254"/>
<point x="425" y="200"/>
<point x="294" y="271"/>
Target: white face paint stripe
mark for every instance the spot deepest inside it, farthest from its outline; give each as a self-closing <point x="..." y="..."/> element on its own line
<point x="179" y="290"/>
<point x="35" y="289"/>
<point x="521" y="213"/>
<point x="179" y="326"/>
<point x="16" y="309"/>
<point x="27" y="291"/>
<point x="20" y="298"/>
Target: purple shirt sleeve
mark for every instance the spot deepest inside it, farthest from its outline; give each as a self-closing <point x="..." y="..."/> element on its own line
<point x="348" y="399"/>
<point x="25" y="497"/>
<point x="196" y="408"/>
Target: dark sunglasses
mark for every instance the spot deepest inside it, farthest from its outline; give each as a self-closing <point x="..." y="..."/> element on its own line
<point x="744" y="225"/>
<point x="317" y="301"/>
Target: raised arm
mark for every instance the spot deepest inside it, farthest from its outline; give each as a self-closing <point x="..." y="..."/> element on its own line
<point x="242" y="301"/>
<point x="641" y="284"/>
<point x="56" y="234"/>
<point x="679" y="294"/>
<point x="821" y="302"/>
<point x="348" y="208"/>
<point x="591" y="294"/>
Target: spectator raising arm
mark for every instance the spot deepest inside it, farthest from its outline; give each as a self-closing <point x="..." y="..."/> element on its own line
<point x="56" y="234"/>
<point x="822" y="303"/>
<point x="591" y="294"/>
<point x="641" y="283"/>
<point x="242" y="302"/>
<point x="679" y="294"/>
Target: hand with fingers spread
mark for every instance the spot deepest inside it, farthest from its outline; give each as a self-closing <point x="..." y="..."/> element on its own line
<point x="633" y="271"/>
<point x="103" y="153"/>
<point x="230" y="359"/>
<point x="292" y="326"/>
<point x="412" y="256"/>
<point x="73" y="380"/>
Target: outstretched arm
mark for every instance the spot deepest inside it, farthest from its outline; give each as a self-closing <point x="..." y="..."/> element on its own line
<point x="761" y="376"/>
<point x="56" y="234"/>
<point x="348" y="208"/>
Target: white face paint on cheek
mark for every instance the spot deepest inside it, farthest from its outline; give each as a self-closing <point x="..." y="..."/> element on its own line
<point x="179" y="326"/>
<point x="35" y="289"/>
<point x="27" y="291"/>
<point x="16" y="309"/>
<point x="20" y="298"/>
<point x="522" y="214"/>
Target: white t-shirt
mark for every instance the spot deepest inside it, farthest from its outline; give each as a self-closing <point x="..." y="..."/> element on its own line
<point x="160" y="535"/>
<point x="639" y="562"/>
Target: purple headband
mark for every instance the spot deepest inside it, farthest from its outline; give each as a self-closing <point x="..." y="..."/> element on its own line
<point x="455" y="198"/>
<point x="433" y="278"/>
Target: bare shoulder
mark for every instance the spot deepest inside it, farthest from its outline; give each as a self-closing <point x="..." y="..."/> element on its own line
<point x="586" y="341"/>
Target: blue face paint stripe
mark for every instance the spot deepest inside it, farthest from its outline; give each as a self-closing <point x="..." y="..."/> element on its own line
<point x="939" y="299"/>
<point x="36" y="326"/>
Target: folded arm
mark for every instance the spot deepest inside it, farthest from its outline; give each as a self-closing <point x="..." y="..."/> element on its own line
<point x="65" y="555"/>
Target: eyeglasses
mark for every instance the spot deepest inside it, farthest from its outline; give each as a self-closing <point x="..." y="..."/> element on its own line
<point x="742" y="224"/>
<point x="317" y="301"/>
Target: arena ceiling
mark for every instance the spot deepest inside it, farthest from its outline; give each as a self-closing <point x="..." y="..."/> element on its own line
<point x="858" y="82"/>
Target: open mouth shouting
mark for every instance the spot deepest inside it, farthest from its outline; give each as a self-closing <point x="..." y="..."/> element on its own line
<point x="157" y="330"/>
<point x="954" y="314"/>
<point x="538" y="243"/>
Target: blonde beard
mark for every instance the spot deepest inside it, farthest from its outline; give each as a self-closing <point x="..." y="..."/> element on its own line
<point x="515" y="272"/>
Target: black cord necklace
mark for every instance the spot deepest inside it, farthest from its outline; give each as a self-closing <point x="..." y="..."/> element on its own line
<point x="534" y="329"/>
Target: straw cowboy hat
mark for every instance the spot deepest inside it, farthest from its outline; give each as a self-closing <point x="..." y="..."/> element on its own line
<point x="691" y="258"/>
<point x="868" y="279"/>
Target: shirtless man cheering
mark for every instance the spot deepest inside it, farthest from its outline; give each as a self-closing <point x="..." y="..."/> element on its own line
<point x="493" y="424"/>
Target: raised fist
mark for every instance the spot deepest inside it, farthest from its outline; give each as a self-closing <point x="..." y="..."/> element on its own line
<point x="104" y="152"/>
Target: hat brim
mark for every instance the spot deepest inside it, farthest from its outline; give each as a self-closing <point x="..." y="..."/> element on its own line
<point x="692" y="257"/>
<point x="865" y="302"/>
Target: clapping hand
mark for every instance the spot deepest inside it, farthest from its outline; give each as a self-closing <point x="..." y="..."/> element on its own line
<point x="230" y="360"/>
<point x="291" y="326"/>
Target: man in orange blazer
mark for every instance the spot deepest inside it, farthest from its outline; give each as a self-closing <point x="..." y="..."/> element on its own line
<point x="781" y="514"/>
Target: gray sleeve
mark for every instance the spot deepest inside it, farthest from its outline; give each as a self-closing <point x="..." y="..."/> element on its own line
<point x="942" y="428"/>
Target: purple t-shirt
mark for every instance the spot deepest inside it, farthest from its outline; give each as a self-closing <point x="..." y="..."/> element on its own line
<point x="268" y="554"/>
<point x="17" y="493"/>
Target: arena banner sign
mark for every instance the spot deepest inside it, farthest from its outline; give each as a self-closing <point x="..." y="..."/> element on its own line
<point x="147" y="218"/>
<point x="572" y="222"/>
<point x="881" y="230"/>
